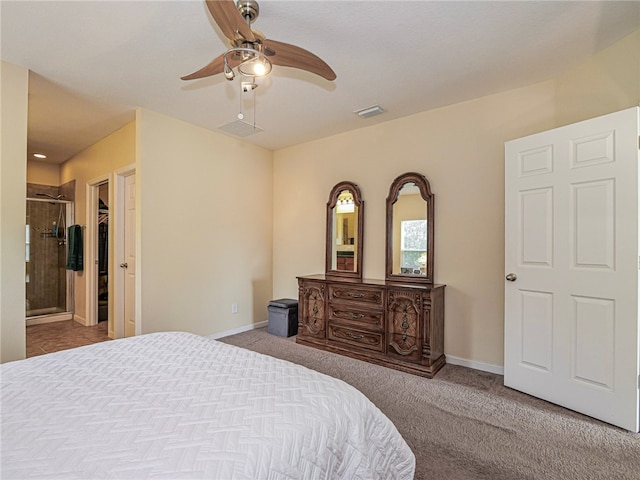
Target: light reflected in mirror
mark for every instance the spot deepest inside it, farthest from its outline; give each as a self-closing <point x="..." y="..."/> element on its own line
<point x="345" y="237"/>
<point x="410" y="232"/>
<point x="345" y="217"/>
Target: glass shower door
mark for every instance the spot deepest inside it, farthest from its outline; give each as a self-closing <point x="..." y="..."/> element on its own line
<point x="46" y="276"/>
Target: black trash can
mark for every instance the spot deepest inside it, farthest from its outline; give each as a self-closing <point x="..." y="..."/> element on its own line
<point x="283" y="317"/>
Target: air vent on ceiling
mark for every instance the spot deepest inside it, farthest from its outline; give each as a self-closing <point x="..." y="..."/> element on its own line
<point x="240" y="128"/>
<point x="369" y="111"/>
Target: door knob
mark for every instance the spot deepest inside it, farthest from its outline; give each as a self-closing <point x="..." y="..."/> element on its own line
<point x="511" y="277"/>
<point x="123" y="265"/>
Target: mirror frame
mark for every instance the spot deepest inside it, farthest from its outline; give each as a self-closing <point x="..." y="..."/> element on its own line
<point x="333" y="200"/>
<point x="425" y="191"/>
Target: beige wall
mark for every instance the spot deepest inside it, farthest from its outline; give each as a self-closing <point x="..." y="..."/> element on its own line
<point x="219" y="223"/>
<point x="43" y="173"/>
<point x="101" y="159"/>
<point x="460" y="150"/>
<point x="206" y="228"/>
<point x="606" y="83"/>
<point x="14" y="86"/>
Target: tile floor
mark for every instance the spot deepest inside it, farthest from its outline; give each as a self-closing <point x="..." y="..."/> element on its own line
<point x="52" y="337"/>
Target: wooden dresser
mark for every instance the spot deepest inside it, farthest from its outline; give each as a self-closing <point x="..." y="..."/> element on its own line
<point x="400" y="326"/>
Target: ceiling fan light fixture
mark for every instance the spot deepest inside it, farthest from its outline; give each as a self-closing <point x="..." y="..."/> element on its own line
<point x="252" y="54"/>
<point x="257" y="66"/>
<point x="254" y="62"/>
<point x="228" y="72"/>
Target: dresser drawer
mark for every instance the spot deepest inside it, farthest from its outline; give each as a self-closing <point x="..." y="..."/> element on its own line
<point x="370" y="296"/>
<point x="364" y="318"/>
<point x="360" y="338"/>
<point x="393" y="324"/>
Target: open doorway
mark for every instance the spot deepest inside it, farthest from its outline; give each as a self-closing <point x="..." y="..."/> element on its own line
<point x="98" y="252"/>
<point x="111" y="260"/>
<point x="103" y="252"/>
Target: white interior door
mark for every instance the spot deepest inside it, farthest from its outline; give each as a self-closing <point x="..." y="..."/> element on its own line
<point x="571" y="260"/>
<point x="130" y="255"/>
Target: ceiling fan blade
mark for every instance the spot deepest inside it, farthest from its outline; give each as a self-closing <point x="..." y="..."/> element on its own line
<point x="291" y="56"/>
<point x="213" y="68"/>
<point x="228" y="18"/>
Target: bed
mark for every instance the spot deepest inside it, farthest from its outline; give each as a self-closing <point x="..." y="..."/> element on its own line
<point x="175" y="405"/>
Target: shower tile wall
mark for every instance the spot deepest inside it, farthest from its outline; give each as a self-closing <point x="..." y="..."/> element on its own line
<point x="33" y="189"/>
<point x="68" y="190"/>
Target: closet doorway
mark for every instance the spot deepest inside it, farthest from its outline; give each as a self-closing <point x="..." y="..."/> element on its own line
<point x="111" y="252"/>
<point x="98" y="253"/>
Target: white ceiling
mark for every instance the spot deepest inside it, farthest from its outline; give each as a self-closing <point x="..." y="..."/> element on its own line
<point x="93" y="62"/>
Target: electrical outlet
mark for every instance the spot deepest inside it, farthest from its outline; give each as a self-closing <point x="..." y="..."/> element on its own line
<point x="234" y="308"/>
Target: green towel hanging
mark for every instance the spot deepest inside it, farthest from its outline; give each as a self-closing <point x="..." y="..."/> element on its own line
<point x="74" y="253"/>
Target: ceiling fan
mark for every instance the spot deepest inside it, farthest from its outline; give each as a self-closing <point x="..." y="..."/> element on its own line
<point x="251" y="53"/>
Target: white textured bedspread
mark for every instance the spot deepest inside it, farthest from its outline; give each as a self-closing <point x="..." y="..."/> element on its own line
<point x="177" y="405"/>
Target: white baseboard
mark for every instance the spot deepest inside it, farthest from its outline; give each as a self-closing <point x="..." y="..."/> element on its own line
<point x="82" y="321"/>
<point x="235" y="331"/>
<point x="463" y="362"/>
<point x="485" y="367"/>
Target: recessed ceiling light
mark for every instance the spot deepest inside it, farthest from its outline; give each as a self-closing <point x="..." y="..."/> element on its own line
<point x="39" y="155"/>
<point x="369" y="111"/>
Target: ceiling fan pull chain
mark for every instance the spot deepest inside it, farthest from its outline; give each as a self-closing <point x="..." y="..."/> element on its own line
<point x="240" y="115"/>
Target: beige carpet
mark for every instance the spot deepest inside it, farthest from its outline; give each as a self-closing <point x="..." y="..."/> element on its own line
<point x="464" y="424"/>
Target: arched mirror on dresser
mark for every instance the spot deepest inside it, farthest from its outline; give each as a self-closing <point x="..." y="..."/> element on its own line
<point x="345" y="220"/>
<point x="397" y="321"/>
<point x="410" y="230"/>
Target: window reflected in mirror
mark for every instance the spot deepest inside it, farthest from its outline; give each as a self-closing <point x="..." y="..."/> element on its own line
<point x="410" y="236"/>
<point x="413" y="247"/>
<point x="410" y="232"/>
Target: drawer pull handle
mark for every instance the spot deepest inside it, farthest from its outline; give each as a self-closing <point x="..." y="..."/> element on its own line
<point x="356" y="295"/>
<point x="356" y="315"/>
<point x="355" y="337"/>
